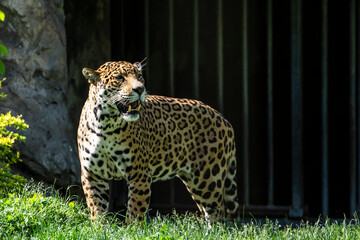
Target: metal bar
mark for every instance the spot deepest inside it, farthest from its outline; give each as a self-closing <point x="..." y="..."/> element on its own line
<point x="171" y="78"/>
<point x="352" y="69"/>
<point x="245" y="105"/>
<point x="171" y="47"/>
<point x="296" y="111"/>
<point x="324" y="115"/>
<point x="194" y="207"/>
<point x="269" y="207"/>
<point x="268" y="210"/>
<point x="358" y="107"/>
<point x="122" y="27"/>
<point x="147" y="43"/>
<point x="178" y="206"/>
<point x="270" y="124"/>
<point x="220" y="57"/>
<point x="196" y="50"/>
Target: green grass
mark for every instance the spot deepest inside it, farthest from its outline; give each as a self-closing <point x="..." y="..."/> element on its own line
<point x="37" y="214"/>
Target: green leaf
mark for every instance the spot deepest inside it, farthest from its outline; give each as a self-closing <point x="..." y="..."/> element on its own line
<point x="2" y="16"/>
<point x="3" y="50"/>
<point x="2" y="68"/>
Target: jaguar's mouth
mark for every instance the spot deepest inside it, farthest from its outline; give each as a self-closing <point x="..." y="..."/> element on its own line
<point x="130" y="111"/>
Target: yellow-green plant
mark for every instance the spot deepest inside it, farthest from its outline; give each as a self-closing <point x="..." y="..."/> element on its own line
<point x="3" y="49"/>
<point x="8" y="124"/>
<point x="8" y="156"/>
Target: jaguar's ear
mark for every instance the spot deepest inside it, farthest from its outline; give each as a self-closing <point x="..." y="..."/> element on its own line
<point x="91" y="75"/>
<point x="140" y="65"/>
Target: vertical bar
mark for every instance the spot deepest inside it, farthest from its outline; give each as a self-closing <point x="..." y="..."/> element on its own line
<point x="245" y="106"/>
<point x="220" y="57"/>
<point x="147" y="43"/>
<point x="324" y="115"/>
<point x="358" y="107"/>
<point x="270" y="104"/>
<point x="171" y="77"/>
<point x="122" y="27"/>
<point x="352" y="54"/>
<point x="296" y="111"/>
<point x="196" y="50"/>
<point x="171" y="47"/>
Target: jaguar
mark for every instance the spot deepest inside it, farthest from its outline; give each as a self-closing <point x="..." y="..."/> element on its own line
<point x="125" y="133"/>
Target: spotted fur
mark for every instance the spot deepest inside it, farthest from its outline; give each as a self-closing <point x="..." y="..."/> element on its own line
<point x="126" y="134"/>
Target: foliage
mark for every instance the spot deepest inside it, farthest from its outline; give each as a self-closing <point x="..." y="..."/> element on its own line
<point x="35" y="213"/>
<point x="8" y="137"/>
<point x="2" y="16"/>
<point x="8" y="156"/>
<point x="28" y="211"/>
<point x="3" y="49"/>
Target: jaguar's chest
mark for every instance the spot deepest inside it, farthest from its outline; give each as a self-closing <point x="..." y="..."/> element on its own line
<point x="108" y="155"/>
<point x="118" y="156"/>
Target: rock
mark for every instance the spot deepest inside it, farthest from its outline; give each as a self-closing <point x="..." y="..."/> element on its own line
<point x="36" y="87"/>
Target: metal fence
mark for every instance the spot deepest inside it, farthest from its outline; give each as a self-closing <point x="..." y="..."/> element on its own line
<point x="285" y="74"/>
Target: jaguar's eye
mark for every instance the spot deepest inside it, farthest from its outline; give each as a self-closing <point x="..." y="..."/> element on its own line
<point x="119" y="77"/>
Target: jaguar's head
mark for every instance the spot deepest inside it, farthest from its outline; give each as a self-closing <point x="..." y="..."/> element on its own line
<point x="119" y="85"/>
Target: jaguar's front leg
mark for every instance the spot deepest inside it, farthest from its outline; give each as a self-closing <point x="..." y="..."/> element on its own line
<point x="139" y="195"/>
<point x="96" y="192"/>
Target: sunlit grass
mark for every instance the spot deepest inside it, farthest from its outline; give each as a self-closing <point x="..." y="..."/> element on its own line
<point x="37" y="214"/>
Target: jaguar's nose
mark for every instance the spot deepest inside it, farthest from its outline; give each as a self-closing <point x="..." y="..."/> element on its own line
<point x="139" y="90"/>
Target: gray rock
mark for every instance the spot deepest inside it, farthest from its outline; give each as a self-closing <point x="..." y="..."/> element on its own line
<point x="36" y="87"/>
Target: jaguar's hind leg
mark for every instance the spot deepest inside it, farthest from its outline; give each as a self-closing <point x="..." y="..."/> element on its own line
<point x="208" y="196"/>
